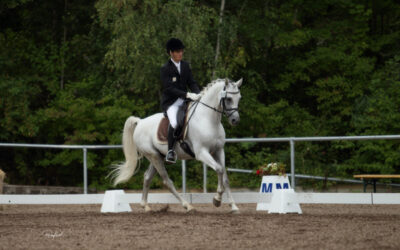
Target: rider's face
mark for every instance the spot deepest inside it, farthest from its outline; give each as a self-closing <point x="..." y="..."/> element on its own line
<point x="176" y="55"/>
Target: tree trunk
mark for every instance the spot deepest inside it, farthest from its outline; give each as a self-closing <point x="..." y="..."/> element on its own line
<point x="217" y="48"/>
<point x="63" y="48"/>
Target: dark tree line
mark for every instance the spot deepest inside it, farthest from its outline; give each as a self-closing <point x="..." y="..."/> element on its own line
<point x="72" y="71"/>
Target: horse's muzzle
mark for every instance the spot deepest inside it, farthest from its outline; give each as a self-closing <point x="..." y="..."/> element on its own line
<point x="234" y="120"/>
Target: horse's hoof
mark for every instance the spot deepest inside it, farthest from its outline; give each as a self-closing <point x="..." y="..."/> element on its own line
<point x="235" y="212"/>
<point x="190" y="209"/>
<point x="216" y="202"/>
<point x="147" y="209"/>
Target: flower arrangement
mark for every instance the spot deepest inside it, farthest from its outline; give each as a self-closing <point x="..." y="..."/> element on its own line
<point x="273" y="168"/>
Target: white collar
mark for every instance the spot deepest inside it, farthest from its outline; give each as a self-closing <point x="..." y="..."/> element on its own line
<point x="177" y="64"/>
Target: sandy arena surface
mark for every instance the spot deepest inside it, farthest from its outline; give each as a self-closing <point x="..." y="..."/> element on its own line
<point x="84" y="227"/>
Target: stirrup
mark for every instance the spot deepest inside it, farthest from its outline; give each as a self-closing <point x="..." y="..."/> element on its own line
<point x="169" y="160"/>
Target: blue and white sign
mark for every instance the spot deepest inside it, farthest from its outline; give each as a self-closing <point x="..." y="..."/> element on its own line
<point x="269" y="184"/>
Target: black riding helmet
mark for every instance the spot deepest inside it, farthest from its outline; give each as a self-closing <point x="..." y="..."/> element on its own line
<point x="174" y="44"/>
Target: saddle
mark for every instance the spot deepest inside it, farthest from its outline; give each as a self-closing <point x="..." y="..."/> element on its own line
<point x="180" y="131"/>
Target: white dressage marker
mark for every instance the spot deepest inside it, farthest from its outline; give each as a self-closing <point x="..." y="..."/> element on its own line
<point x="114" y="202"/>
<point x="284" y="201"/>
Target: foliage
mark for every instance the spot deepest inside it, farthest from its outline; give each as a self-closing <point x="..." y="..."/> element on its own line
<point x="72" y="72"/>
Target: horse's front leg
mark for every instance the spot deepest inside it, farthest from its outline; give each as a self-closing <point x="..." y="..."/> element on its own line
<point x="207" y="158"/>
<point x="220" y="157"/>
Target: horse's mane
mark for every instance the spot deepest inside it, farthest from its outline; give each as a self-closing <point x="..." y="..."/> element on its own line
<point x="212" y="83"/>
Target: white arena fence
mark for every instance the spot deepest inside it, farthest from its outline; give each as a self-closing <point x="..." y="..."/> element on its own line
<point x="291" y="141"/>
<point x="206" y="198"/>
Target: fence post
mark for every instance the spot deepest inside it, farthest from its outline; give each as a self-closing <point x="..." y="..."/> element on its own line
<point x="292" y="163"/>
<point x="85" y="184"/>
<point x="204" y="178"/>
<point x="2" y="176"/>
<point x="183" y="176"/>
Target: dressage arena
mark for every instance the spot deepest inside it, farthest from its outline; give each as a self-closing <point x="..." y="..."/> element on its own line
<point x="321" y="226"/>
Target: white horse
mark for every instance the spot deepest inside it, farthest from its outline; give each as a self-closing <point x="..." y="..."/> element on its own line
<point x="205" y="135"/>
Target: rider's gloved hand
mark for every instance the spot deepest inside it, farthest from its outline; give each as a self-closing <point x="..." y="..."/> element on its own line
<point x="193" y="96"/>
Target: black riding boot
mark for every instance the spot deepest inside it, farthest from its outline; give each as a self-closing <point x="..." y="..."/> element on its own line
<point x="171" y="155"/>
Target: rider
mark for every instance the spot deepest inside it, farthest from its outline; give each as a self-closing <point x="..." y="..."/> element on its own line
<point x="176" y="76"/>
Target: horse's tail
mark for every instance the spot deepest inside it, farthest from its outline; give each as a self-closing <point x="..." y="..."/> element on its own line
<point x="123" y="172"/>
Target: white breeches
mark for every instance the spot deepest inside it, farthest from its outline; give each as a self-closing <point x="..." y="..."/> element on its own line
<point x="172" y="112"/>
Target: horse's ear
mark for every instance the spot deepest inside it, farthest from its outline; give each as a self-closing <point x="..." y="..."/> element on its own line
<point x="239" y="83"/>
<point x="226" y="82"/>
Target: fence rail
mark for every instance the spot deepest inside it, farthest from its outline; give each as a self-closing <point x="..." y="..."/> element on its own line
<point x="206" y="198"/>
<point x="291" y="141"/>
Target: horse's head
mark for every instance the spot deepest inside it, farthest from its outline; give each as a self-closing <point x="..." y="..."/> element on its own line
<point x="230" y="98"/>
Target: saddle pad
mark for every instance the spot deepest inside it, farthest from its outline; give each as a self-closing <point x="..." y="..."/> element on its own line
<point x="162" y="131"/>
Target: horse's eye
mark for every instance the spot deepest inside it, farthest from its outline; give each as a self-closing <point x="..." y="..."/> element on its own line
<point x="229" y="99"/>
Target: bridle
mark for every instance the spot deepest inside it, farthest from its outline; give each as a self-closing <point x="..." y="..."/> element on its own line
<point x="224" y="95"/>
<point x="225" y="111"/>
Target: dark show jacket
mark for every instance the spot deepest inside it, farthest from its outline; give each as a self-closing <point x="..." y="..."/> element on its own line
<point x="174" y="84"/>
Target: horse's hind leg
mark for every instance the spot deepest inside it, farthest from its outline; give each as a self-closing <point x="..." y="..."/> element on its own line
<point x="148" y="176"/>
<point x="159" y="165"/>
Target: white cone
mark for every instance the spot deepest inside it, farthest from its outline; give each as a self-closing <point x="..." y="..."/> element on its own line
<point x="113" y="203"/>
<point x="284" y="201"/>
